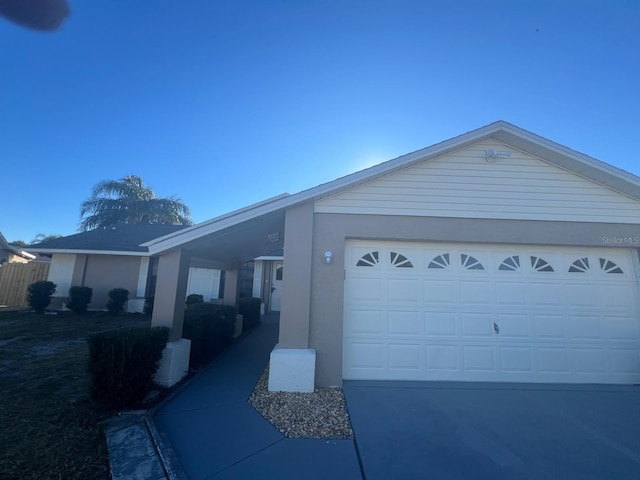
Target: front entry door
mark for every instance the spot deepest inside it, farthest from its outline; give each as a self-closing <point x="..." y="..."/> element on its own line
<point x="276" y="286"/>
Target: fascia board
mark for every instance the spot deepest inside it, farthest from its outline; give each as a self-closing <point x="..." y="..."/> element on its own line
<point x="89" y="252"/>
<point x="589" y="164"/>
<point x="214" y="220"/>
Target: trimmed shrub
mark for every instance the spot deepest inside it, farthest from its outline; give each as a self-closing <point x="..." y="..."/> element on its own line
<point x="122" y="364"/>
<point x="78" y="299"/>
<point x="194" y="298"/>
<point x="249" y="308"/>
<point x="117" y="298"/>
<point x="210" y="328"/>
<point x="39" y="295"/>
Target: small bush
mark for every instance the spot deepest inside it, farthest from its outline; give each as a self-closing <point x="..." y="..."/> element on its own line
<point x="210" y="328"/>
<point x="39" y="295"/>
<point x="194" y="298"/>
<point x="78" y="299"/>
<point x="122" y="364"/>
<point x="117" y="298"/>
<point x="249" y="308"/>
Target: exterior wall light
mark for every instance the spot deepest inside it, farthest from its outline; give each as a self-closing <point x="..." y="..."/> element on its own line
<point x="328" y="257"/>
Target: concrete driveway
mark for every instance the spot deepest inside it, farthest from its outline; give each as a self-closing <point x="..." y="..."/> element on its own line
<point x="447" y="430"/>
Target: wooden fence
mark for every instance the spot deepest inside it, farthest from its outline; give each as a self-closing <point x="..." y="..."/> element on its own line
<point x="15" y="278"/>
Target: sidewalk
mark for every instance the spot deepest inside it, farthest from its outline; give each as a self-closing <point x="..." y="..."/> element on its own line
<point x="215" y="434"/>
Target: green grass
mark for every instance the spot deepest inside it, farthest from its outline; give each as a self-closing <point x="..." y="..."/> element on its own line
<point x="49" y="428"/>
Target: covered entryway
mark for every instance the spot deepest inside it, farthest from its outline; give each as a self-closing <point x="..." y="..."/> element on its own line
<point x="474" y="312"/>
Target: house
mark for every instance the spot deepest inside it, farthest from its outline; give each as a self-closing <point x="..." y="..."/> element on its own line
<point x="12" y="254"/>
<point x="113" y="257"/>
<point x="497" y="255"/>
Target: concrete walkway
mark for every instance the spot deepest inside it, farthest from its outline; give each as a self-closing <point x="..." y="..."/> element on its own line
<point x="214" y="433"/>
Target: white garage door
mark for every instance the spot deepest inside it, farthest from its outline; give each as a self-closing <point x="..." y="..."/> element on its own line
<point x="490" y="313"/>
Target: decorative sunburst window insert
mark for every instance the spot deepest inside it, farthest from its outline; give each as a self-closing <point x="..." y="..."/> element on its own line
<point x="400" y="261"/>
<point x="370" y="259"/>
<point x="609" y="266"/>
<point x="539" y="264"/>
<point x="510" y="264"/>
<point x="470" y="263"/>
<point x="441" y="261"/>
<point x="581" y="265"/>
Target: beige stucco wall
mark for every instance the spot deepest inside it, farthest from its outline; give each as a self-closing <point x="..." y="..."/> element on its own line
<point x="296" y="278"/>
<point x="104" y="272"/>
<point x="171" y="291"/>
<point x="330" y="232"/>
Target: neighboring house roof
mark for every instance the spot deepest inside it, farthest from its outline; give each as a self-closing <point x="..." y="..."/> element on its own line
<point x="123" y="239"/>
<point x="556" y="154"/>
<point x="7" y="247"/>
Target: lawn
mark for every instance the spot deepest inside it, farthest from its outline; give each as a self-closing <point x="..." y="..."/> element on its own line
<point x="48" y="425"/>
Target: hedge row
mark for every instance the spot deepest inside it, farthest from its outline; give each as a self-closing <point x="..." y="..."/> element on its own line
<point x="210" y="328"/>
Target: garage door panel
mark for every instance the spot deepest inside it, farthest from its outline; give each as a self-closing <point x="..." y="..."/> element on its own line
<point x="624" y="329"/>
<point x="553" y="360"/>
<point x="590" y="360"/>
<point x="617" y="296"/>
<point x="366" y="355"/>
<point x="549" y="327"/>
<point x="403" y="290"/>
<point x="511" y="293"/>
<point x="549" y="294"/>
<point x="479" y="358"/>
<point x="582" y="294"/>
<point x="440" y="292"/>
<point x="516" y="359"/>
<point x="625" y="361"/>
<point x="367" y="290"/>
<point x="476" y="292"/>
<point x="442" y="358"/>
<point x="366" y="322"/>
<point x="405" y="357"/>
<point x="440" y="324"/>
<point x="512" y="326"/>
<point x="472" y="312"/>
<point x="404" y="323"/>
<point x="586" y="327"/>
<point x="476" y="325"/>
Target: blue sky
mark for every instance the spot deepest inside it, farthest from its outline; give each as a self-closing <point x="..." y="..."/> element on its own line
<point x="227" y="103"/>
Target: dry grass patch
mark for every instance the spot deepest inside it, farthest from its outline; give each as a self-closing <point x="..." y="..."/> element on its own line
<point x="48" y="425"/>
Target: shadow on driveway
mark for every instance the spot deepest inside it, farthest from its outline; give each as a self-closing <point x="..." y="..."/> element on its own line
<point x="447" y="430"/>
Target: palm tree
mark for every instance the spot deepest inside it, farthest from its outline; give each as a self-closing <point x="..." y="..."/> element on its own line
<point x="42" y="237"/>
<point x="129" y="200"/>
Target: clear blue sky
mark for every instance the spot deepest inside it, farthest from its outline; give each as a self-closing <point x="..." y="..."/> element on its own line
<point x="227" y="103"/>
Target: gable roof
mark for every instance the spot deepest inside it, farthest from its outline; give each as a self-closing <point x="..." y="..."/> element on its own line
<point x="6" y="246"/>
<point x="123" y="239"/>
<point x="535" y="145"/>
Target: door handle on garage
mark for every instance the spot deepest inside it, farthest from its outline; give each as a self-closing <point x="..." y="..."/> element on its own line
<point x="496" y="328"/>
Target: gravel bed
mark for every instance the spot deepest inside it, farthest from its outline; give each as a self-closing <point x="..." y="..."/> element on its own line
<point x="321" y="414"/>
